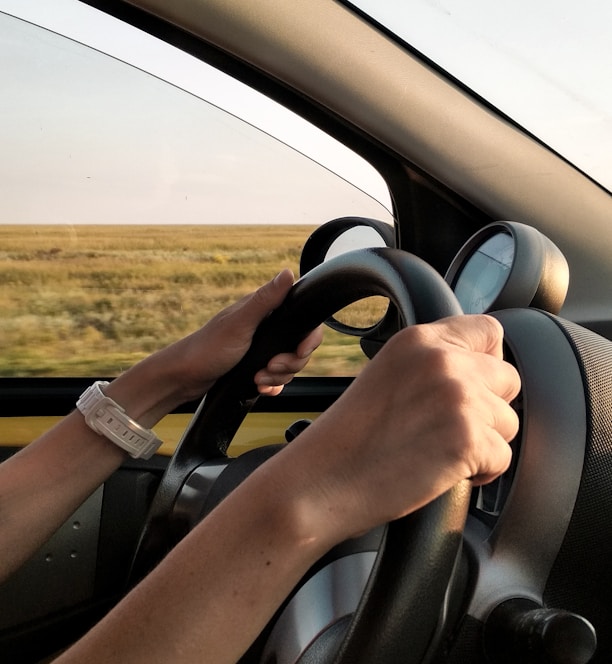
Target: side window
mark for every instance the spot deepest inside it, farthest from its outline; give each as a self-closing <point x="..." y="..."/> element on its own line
<point x="133" y="210"/>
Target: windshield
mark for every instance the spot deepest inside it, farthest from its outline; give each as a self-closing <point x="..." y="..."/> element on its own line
<point x="547" y="64"/>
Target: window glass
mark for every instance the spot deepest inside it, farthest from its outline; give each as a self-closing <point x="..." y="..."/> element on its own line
<point x="545" y="64"/>
<point x="133" y="210"/>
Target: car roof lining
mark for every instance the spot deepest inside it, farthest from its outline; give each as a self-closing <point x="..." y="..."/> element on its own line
<point x="449" y="134"/>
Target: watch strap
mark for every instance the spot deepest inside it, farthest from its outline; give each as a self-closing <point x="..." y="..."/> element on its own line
<point x="109" y="419"/>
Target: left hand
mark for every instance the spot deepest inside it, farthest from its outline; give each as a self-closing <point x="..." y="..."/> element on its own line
<point x="213" y="350"/>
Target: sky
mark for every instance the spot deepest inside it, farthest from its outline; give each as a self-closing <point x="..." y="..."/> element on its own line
<point x="66" y="133"/>
<point x="547" y="64"/>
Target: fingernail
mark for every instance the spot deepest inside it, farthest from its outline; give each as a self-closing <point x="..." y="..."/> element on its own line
<point x="279" y="277"/>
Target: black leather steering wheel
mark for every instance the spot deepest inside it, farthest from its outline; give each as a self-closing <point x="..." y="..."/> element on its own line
<point x="408" y="585"/>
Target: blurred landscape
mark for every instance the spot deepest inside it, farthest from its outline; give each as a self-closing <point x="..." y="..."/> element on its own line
<point x="91" y="300"/>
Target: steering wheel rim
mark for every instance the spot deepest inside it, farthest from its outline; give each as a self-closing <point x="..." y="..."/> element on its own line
<point x="422" y="546"/>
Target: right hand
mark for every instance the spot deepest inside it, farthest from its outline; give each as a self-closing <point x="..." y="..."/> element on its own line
<point x="430" y="410"/>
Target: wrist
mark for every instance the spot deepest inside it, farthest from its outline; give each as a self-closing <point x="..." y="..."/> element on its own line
<point x="316" y="514"/>
<point x="158" y="384"/>
<point x="288" y="513"/>
<point x="147" y="391"/>
<point x="181" y="371"/>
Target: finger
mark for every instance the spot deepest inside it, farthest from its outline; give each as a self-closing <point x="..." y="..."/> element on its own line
<point x="287" y="363"/>
<point x="283" y="366"/>
<point x="249" y="311"/>
<point x="281" y="375"/>
<point x="496" y="462"/>
<point x="500" y="427"/>
<point x="310" y="343"/>
<point x="281" y="369"/>
<point x="511" y="385"/>
<point x="505" y="421"/>
<point x="270" y="390"/>
<point x="500" y="377"/>
<point x="476" y="332"/>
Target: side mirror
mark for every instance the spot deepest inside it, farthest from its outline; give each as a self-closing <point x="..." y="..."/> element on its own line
<point x="341" y="235"/>
<point x="365" y="317"/>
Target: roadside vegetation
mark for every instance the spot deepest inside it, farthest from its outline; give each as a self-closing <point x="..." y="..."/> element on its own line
<point x="92" y="300"/>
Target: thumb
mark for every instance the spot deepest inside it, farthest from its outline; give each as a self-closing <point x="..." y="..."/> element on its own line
<point x="267" y="298"/>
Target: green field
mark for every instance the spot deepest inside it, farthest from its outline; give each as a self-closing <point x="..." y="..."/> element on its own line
<point x="92" y="300"/>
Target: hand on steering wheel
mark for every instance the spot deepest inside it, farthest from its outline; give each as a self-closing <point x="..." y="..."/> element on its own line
<point x="418" y="554"/>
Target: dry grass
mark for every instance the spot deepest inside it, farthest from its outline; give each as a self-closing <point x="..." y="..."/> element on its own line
<point x="92" y="300"/>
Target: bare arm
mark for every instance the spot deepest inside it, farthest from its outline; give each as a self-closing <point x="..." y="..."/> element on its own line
<point x="44" y="483"/>
<point x="378" y="453"/>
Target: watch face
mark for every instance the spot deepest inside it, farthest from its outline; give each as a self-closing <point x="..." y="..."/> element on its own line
<point x="485" y="273"/>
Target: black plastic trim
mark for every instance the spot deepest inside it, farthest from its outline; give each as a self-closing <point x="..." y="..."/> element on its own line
<point x="32" y="397"/>
<point x="516" y="557"/>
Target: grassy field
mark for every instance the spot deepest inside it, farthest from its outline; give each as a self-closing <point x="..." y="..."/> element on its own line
<point x="91" y="300"/>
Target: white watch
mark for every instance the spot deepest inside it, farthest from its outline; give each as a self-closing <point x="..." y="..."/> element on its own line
<point x="109" y="419"/>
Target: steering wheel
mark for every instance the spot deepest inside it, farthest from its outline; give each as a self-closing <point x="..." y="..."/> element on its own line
<point x="407" y="588"/>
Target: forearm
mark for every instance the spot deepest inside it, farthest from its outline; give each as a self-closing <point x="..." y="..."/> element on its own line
<point x="210" y="598"/>
<point x="42" y="485"/>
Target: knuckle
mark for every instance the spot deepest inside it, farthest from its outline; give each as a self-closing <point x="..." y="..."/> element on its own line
<point x="261" y="296"/>
<point x="452" y="380"/>
<point x="494" y="325"/>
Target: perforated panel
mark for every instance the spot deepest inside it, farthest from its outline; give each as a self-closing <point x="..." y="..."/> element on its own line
<point x="61" y="574"/>
<point x="581" y="578"/>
